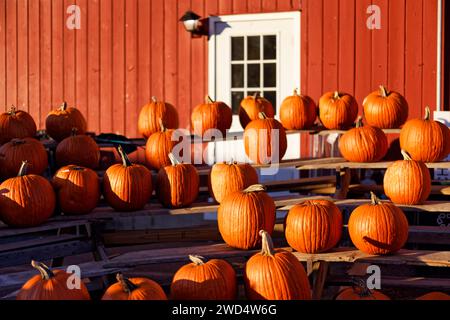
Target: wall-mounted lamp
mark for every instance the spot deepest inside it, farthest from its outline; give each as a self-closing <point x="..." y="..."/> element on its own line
<point x="194" y="24"/>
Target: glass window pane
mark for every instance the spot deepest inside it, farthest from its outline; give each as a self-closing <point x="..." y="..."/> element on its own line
<point x="253" y="75"/>
<point x="236" y="98"/>
<point x="253" y="48"/>
<point x="270" y="75"/>
<point x="237" y="48"/>
<point x="237" y="75"/>
<point x="272" y="97"/>
<point x="270" y="47"/>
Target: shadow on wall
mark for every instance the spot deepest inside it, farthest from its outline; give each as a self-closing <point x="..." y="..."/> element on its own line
<point x="220" y="26"/>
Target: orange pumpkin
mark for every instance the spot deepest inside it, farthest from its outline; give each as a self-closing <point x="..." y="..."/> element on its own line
<point x="80" y="150"/>
<point x="298" y="112"/>
<point x="60" y="122"/>
<point x="243" y="214"/>
<point x="378" y="227"/>
<point x="151" y="113"/>
<point x="359" y="291"/>
<point x="127" y="186"/>
<point x="16" y="124"/>
<point x="199" y="280"/>
<point x="265" y="140"/>
<point x="77" y="189"/>
<point x="434" y="296"/>
<point x="134" y="289"/>
<point x="407" y="181"/>
<point x="177" y="184"/>
<point x="385" y="109"/>
<point x="158" y="146"/>
<point x="337" y="111"/>
<point x="275" y="275"/>
<point x="17" y="150"/>
<point x="51" y="285"/>
<point x="251" y="106"/>
<point x="313" y="226"/>
<point x="363" y="143"/>
<point x="226" y="178"/>
<point x="211" y="115"/>
<point x="425" y="140"/>
<point x="26" y="200"/>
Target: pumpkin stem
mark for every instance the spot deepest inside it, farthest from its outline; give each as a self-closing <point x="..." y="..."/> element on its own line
<point x="336" y="95"/>
<point x="255" y="95"/>
<point x="255" y="188"/>
<point x="125" y="160"/>
<point x="232" y="161"/>
<point x="17" y="141"/>
<point x="373" y="197"/>
<point x="262" y="115"/>
<point x="384" y="91"/>
<point x="405" y="155"/>
<point x="296" y="92"/>
<point x="359" y="122"/>
<point x="45" y="271"/>
<point x="63" y="106"/>
<point x="173" y="160"/>
<point x="126" y="284"/>
<point x="161" y="125"/>
<point x="23" y="169"/>
<point x="197" y="260"/>
<point x="208" y="99"/>
<point x="154" y="100"/>
<point x="12" y="110"/>
<point x="74" y="131"/>
<point x="427" y="113"/>
<point x="360" y="287"/>
<point x="267" y="244"/>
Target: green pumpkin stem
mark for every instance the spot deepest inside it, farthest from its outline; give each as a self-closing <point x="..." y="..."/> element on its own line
<point x="173" y="160"/>
<point x="384" y="91"/>
<point x="405" y="155"/>
<point x="208" y="99"/>
<point x="197" y="260"/>
<point x="374" y="199"/>
<point x="266" y="244"/>
<point x="336" y="95"/>
<point x="427" y="113"/>
<point x="359" y="122"/>
<point x="126" y="284"/>
<point x="262" y="116"/>
<point x="63" y="106"/>
<point x="125" y="160"/>
<point x="23" y="169"/>
<point x="255" y="188"/>
<point x="45" y="271"/>
<point x="360" y="287"/>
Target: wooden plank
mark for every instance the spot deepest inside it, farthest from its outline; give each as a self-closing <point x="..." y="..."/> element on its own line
<point x="106" y="66"/>
<point x="397" y="282"/>
<point x="17" y="245"/>
<point x="131" y="61"/>
<point x="54" y="223"/>
<point x="364" y="165"/>
<point x="320" y="278"/>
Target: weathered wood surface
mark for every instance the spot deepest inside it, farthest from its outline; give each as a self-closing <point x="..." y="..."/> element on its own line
<point x="333" y="164"/>
<point x="52" y="224"/>
<point x="398" y="282"/>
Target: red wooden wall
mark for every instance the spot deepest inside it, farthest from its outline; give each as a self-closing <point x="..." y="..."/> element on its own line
<point x="129" y="50"/>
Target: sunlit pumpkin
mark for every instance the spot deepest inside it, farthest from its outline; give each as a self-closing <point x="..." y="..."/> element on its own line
<point x="16" y="124"/>
<point x="359" y="291"/>
<point x="434" y="296"/>
<point x="134" y="289"/>
<point x="337" y="111"/>
<point x="251" y="106"/>
<point x="158" y="146"/>
<point x="211" y="115"/>
<point x="298" y="112"/>
<point x="152" y="112"/>
<point x="60" y="122"/>
<point x="80" y="150"/>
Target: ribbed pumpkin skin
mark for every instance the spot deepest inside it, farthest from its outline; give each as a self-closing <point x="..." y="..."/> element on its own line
<point x="378" y="229"/>
<point x="434" y="296"/>
<point x="355" y="294"/>
<point x="258" y="142"/>
<point x="313" y="226"/>
<point x="17" y="150"/>
<point x="337" y="112"/>
<point x="277" y="277"/>
<point x="225" y="179"/>
<point x="425" y="140"/>
<point x="407" y="182"/>
<point x="16" y="124"/>
<point x="151" y="113"/>
<point x="60" y="123"/>
<point x="363" y="144"/>
<point x="158" y="146"/>
<point x="385" y="110"/>
<point x="77" y="189"/>
<point x="80" y="150"/>
<point x="127" y="188"/>
<point x="213" y="280"/>
<point x="214" y="115"/>
<point x="147" y="289"/>
<point x="26" y="201"/>
<point x="298" y="112"/>
<point x="250" y="108"/>
<point x="242" y="215"/>
<point x="177" y="185"/>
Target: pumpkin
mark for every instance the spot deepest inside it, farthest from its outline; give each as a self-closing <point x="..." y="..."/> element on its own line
<point x="77" y="189"/>
<point x="204" y="280"/>
<point x="378" y="227"/>
<point x="27" y="200"/>
<point x="51" y="285"/>
<point x="158" y="146"/>
<point x="363" y="143"/>
<point x="242" y="214"/>
<point x="275" y="274"/>
<point x="359" y="291"/>
<point x="313" y="226"/>
<point x="434" y="296"/>
<point x="265" y="140"/>
<point x="211" y="115"/>
<point x="298" y="112"/>
<point x="337" y="111"/>
<point x="425" y="140"/>
<point x="407" y="181"/>
<point x="127" y="186"/>
<point x="16" y="124"/>
<point x="177" y="184"/>
<point x="151" y="113"/>
<point x="14" y="152"/>
<point x="80" y="150"/>
<point x="134" y="289"/>
<point x="251" y="106"/>
<point x="60" y="122"/>
<point x="226" y="178"/>
<point x="385" y="109"/>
